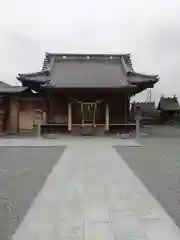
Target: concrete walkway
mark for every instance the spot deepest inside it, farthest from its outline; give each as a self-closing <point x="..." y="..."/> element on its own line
<point x="92" y="194"/>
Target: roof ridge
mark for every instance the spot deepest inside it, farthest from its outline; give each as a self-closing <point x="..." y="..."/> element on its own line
<point x="85" y="54"/>
<point x="51" y="57"/>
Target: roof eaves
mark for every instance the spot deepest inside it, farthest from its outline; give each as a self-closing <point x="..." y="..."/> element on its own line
<point x="143" y="79"/>
<point x="133" y="73"/>
<point x="20" y="89"/>
<point x="89" y="86"/>
<point x="13" y="89"/>
<point x="27" y="81"/>
<point x="33" y="74"/>
<point x="150" y="81"/>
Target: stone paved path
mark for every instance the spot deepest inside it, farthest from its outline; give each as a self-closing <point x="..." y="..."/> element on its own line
<point x="92" y="194"/>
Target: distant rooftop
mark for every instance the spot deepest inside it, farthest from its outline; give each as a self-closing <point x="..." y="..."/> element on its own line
<point x="6" y="88"/>
<point x="169" y="104"/>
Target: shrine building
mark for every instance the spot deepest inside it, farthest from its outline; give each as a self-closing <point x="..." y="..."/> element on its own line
<point x="75" y="93"/>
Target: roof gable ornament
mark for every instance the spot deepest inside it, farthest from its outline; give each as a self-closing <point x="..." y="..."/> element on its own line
<point x="162" y="96"/>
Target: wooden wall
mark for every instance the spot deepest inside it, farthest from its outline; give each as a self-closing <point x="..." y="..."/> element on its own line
<point x="22" y="112"/>
<point x="13" y="115"/>
<point x="29" y="114"/>
<point x="118" y="104"/>
<point x="57" y="110"/>
<point x="118" y="109"/>
<point x="4" y="114"/>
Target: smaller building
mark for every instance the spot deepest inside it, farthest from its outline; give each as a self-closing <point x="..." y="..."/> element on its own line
<point x="147" y="110"/>
<point x="17" y="108"/>
<point x="169" y="108"/>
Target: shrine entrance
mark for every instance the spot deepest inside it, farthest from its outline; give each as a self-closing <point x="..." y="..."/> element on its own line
<point x="88" y="117"/>
<point x="88" y="114"/>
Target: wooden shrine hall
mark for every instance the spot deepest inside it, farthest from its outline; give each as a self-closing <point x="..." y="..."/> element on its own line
<point x="77" y="93"/>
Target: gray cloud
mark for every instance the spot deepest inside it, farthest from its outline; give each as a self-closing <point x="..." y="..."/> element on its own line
<point x="150" y="30"/>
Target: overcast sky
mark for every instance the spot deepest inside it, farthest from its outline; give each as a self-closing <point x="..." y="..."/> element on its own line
<point x="148" y="29"/>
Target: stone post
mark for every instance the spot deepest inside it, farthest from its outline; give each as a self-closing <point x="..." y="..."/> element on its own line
<point x="38" y="130"/>
<point x="38" y="121"/>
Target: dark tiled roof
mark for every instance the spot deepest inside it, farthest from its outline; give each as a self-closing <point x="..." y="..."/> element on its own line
<point x="87" y="70"/>
<point x="144" y="106"/>
<point x="50" y="57"/>
<point x="145" y="109"/>
<point x="88" y="73"/>
<point x="169" y="104"/>
<point x="6" y="88"/>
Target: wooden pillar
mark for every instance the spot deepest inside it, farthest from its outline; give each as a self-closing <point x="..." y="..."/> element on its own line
<point x="69" y="116"/>
<point x="94" y="114"/>
<point x="82" y="114"/>
<point x="13" y="115"/>
<point x="107" y="118"/>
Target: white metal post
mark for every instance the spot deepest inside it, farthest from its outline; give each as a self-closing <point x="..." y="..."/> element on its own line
<point x="69" y="116"/>
<point x="107" y="118"/>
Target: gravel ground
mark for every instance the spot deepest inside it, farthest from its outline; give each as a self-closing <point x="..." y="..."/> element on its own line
<point x="23" y="171"/>
<point x="157" y="164"/>
<point x="162" y="131"/>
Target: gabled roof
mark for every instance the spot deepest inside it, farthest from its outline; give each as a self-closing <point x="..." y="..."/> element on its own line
<point x="145" y="107"/>
<point x="4" y="85"/>
<point x="6" y="88"/>
<point x="87" y="70"/>
<point x="169" y="104"/>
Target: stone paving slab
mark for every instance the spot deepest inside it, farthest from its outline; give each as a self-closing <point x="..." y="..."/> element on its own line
<point x="92" y="194"/>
